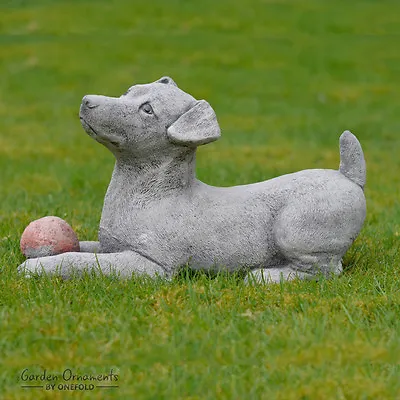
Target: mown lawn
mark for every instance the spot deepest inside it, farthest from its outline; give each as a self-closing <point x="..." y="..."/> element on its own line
<point x="285" y="79"/>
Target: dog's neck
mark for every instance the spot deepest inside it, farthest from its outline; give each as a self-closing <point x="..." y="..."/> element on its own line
<point x="153" y="178"/>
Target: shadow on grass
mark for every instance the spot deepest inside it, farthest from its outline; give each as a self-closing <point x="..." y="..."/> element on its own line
<point x="187" y="274"/>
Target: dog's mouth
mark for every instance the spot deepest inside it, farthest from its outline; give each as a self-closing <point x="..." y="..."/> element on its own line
<point x="92" y="133"/>
<point x="88" y="128"/>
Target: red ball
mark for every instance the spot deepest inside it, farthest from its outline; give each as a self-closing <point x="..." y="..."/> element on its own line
<point x="48" y="236"/>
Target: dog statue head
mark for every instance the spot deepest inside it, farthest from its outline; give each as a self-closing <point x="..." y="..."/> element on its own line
<point x="148" y="119"/>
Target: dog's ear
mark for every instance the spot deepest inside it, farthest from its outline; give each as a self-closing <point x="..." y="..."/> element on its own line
<point x="166" y="80"/>
<point x="197" y="126"/>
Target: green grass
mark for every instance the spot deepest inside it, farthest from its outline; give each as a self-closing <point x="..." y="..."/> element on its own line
<point x="285" y="79"/>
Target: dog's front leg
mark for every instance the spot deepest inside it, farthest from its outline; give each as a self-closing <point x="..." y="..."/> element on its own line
<point x="89" y="247"/>
<point x="66" y="265"/>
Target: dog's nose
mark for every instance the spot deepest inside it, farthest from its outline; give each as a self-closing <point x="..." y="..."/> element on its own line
<point x="89" y="102"/>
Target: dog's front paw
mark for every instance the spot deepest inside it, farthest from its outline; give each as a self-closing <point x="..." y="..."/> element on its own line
<point x="33" y="266"/>
<point x="39" y="266"/>
<point x="29" y="267"/>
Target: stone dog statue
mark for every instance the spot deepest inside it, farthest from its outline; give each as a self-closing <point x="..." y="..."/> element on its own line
<point x="157" y="216"/>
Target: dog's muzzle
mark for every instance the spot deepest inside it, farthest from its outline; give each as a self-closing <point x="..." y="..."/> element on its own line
<point x="88" y="103"/>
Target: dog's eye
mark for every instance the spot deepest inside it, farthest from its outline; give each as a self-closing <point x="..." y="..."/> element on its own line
<point x="146" y="107"/>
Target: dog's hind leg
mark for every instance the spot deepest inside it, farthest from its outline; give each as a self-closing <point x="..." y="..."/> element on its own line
<point x="293" y="271"/>
<point x="312" y="233"/>
<point x="308" y="254"/>
<point x="275" y="275"/>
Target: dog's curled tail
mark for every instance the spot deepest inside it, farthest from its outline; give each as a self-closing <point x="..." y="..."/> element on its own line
<point x="352" y="162"/>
